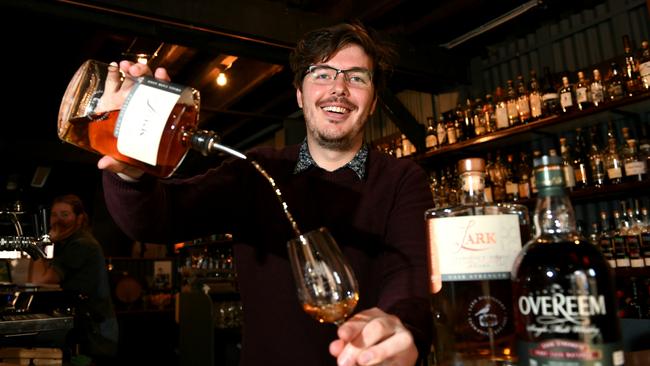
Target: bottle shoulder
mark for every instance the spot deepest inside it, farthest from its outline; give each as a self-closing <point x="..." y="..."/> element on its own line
<point x="560" y="251"/>
<point x="478" y="209"/>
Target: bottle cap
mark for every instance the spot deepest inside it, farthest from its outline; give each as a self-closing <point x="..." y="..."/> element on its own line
<point x="471" y="165"/>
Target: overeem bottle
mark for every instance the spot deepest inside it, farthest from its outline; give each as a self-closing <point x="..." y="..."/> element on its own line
<point x="563" y="291"/>
<point x="472" y="247"/>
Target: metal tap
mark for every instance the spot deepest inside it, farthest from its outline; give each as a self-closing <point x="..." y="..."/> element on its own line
<point x="27" y="244"/>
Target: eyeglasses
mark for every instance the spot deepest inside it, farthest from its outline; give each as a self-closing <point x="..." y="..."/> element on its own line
<point x="357" y="77"/>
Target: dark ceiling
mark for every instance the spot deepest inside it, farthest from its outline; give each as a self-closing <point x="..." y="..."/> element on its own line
<point x="45" y="41"/>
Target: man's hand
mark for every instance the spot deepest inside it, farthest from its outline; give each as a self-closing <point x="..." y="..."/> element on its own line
<point x="373" y="337"/>
<point x="115" y="92"/>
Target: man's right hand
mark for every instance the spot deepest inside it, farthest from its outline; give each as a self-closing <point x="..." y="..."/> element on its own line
<point x="116" y="91"/>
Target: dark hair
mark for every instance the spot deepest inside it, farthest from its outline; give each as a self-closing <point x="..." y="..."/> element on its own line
<point x="321" y="44"/>
<point x="77" y="207"/>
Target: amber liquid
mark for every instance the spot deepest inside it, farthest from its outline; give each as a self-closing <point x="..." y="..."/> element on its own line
<point x="95" y="133"/>
<point x="332" y="313"/>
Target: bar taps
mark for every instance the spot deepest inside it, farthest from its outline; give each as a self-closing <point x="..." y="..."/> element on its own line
<point x="27" y="244"/>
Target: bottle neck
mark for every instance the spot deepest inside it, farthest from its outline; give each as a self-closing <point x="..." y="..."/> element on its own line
<point x="554" y="212"/>
<point x="472" y="188"/>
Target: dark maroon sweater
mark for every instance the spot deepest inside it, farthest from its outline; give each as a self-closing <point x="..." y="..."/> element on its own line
<point x="377" y="221"/>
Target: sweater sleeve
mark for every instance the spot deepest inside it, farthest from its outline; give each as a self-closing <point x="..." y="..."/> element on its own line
<point x="405" y="266"/>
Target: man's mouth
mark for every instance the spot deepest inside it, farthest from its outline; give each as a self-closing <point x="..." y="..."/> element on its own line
<point x="335" y="109"/>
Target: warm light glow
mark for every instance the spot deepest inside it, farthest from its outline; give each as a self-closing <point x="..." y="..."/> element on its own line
<point x="222" y="79"/>
<point x="142" y="59"/>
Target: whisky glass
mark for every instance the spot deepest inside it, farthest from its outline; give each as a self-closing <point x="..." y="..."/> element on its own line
<point x="326" y="285"/>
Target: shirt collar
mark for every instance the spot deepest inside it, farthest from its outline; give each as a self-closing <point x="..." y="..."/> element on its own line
<point x="357" y="164"/>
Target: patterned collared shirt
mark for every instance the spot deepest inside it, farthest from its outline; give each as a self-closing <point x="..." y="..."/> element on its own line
<point x="357" y="164"/>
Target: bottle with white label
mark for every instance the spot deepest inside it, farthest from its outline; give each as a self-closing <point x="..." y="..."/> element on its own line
<point x="563" y="288"/>
<point x="152" y="128"/>
<point x="472" y="248"/>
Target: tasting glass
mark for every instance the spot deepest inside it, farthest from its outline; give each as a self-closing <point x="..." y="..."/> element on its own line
<point x="326" y="285"/>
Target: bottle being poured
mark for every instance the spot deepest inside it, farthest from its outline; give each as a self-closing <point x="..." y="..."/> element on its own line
<point x="144" y="122"/>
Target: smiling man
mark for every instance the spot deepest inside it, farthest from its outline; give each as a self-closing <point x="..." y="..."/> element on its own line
<point x="372" y="203"/>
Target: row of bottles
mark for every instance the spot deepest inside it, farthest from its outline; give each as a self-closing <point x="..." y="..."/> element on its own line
<point x="522" y="101"/>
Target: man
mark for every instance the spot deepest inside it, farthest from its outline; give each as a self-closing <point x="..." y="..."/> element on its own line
<point x="79" y="268"/>
<point x="372" y="203"/>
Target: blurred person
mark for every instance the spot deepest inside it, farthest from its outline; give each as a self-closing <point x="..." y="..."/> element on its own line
<point x="372" y="203"/>
<point x="79" y="267"/>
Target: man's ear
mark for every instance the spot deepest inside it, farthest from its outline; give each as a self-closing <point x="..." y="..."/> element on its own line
<point x="299" y="97"/>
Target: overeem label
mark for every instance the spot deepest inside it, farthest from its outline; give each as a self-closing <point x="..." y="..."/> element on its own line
<point x="564" y="325"/>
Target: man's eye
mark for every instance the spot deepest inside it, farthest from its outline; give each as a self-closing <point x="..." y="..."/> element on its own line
<point x="358" y="79"/>
<point x="323" y="75"/>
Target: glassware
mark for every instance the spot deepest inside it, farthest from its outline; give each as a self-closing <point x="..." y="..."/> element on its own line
<point x="325" y="282"/>
<point x="152" y="127"/>
<point x="472" y="247"/>
<point x="565" y="305"/>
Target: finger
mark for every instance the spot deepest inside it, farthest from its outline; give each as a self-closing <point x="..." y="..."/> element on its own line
<point x="161" y="74"/>
<point x="353" y="326"/>
<point x="113" y="78"/>
<point x="400" y="343"/>
<point x="112" y="165"/>
<point x="336" y="347"/>
<point x="373" y="332"/>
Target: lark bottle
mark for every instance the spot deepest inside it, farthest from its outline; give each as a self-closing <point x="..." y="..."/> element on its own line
<point x="472" y="248"/>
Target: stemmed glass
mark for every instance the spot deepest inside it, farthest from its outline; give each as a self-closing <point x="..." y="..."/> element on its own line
<point x="325" y="282"/>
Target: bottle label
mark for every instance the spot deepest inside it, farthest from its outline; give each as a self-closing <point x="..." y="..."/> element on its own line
<point x="431" y="141"/>
<point x="502" y="117"/>
<point x="615" y="172"/>
<point x="635" y="168"/>
<point x="597" y="94"/>
<point x="566" y="100"/>
<point x="143" y="117"/>
<point x="442" y="134"/>
<point x="569" y="353"/>
<point x="472" y="248"/>
<point x="569" y="176"/>
<point x="535" y="105"/>
<point x="581" y="95"/>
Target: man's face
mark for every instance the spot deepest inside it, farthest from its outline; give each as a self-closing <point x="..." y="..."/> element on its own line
<point x="336" y="113"/>
<point x="63" y="221"/>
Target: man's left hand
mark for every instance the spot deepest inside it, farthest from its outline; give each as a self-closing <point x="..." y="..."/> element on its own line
<point x="373" y="337"/>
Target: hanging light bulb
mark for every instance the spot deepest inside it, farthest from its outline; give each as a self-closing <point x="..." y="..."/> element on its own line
<point x="222" y="79"/>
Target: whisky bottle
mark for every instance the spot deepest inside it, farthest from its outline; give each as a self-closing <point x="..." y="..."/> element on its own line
<point x="613" y="161"/>
<point x="583" y="97"/>
<point x="489" y="114"/>
<point x="596" y="89"/>
<point x="645" y="237"/>
<point x="580" y="161"/>
<point x="635" y="168"/>
<point x="632" y="237"/>
<point x="472" y="248"/>
<point x="550" y="96"/>
<point x="523" y="176"/>
<point x="567" y="164"/>
<point x="614" y="83"/>
<point x="152" y="130"/>
<point x="431" y="139"/>
<point x="606" y="239"/>
<point x="644" y="65"/>
<point x="534" y="97"/>
<point x="441" y="131"/>
<point x="511" y="104"/>
<point x="631" y="70"/>
<point x="481" y="119"/>
<point x="523" y="100"/>
<point x="501" y="109"/>
<point x="567" y="97"/>
<point x="565" y="306"/>
<point x="512" y="183"/>
<point x="596" y="161"/>
<point x="620" y="250"/>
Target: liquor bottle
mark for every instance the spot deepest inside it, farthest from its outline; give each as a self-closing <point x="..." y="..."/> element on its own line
<point x="645" y="237"/>
<point x="431" y="139"/>
<point x="634" y="166"/>
<point x="583" y="97"/>
<point x="580" y="161"/>
<point x="550" y="96"/>
<point x="472" y="247"/>
<point x="479" y="118"/>
<point x="452" y="131"/>
<point x="523" y="100"/>
<point x="489" y="184"/>
<point x="499" y="175"/>
<point x="534" y="96"/>
<point x="606" y="239"/>
<point x="644" y="65"/>
<point x="613" y="161"/>
<point x="631" y="69"/>
<point x="469" y="128"/>
<point x="489" y="114"/>
<point x="567" y="96"/>
<point x="512" y="184"/>
<point x="567" y="164"/>
<point x="596" y="89"/>
<point x="620" y="251"/>
<point x="533" y="184"/>
<point x="501" y="109"/>
<point x="551" y="292"/>
<point x="511" y="104"/>
<point x="523" y="176"/>
<point x="441" y="131"/>
<point x="614" y="84"/>
<point x="596" y="161"/>
<point x="153" y="130"/>
<point x="632" y="237"/>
